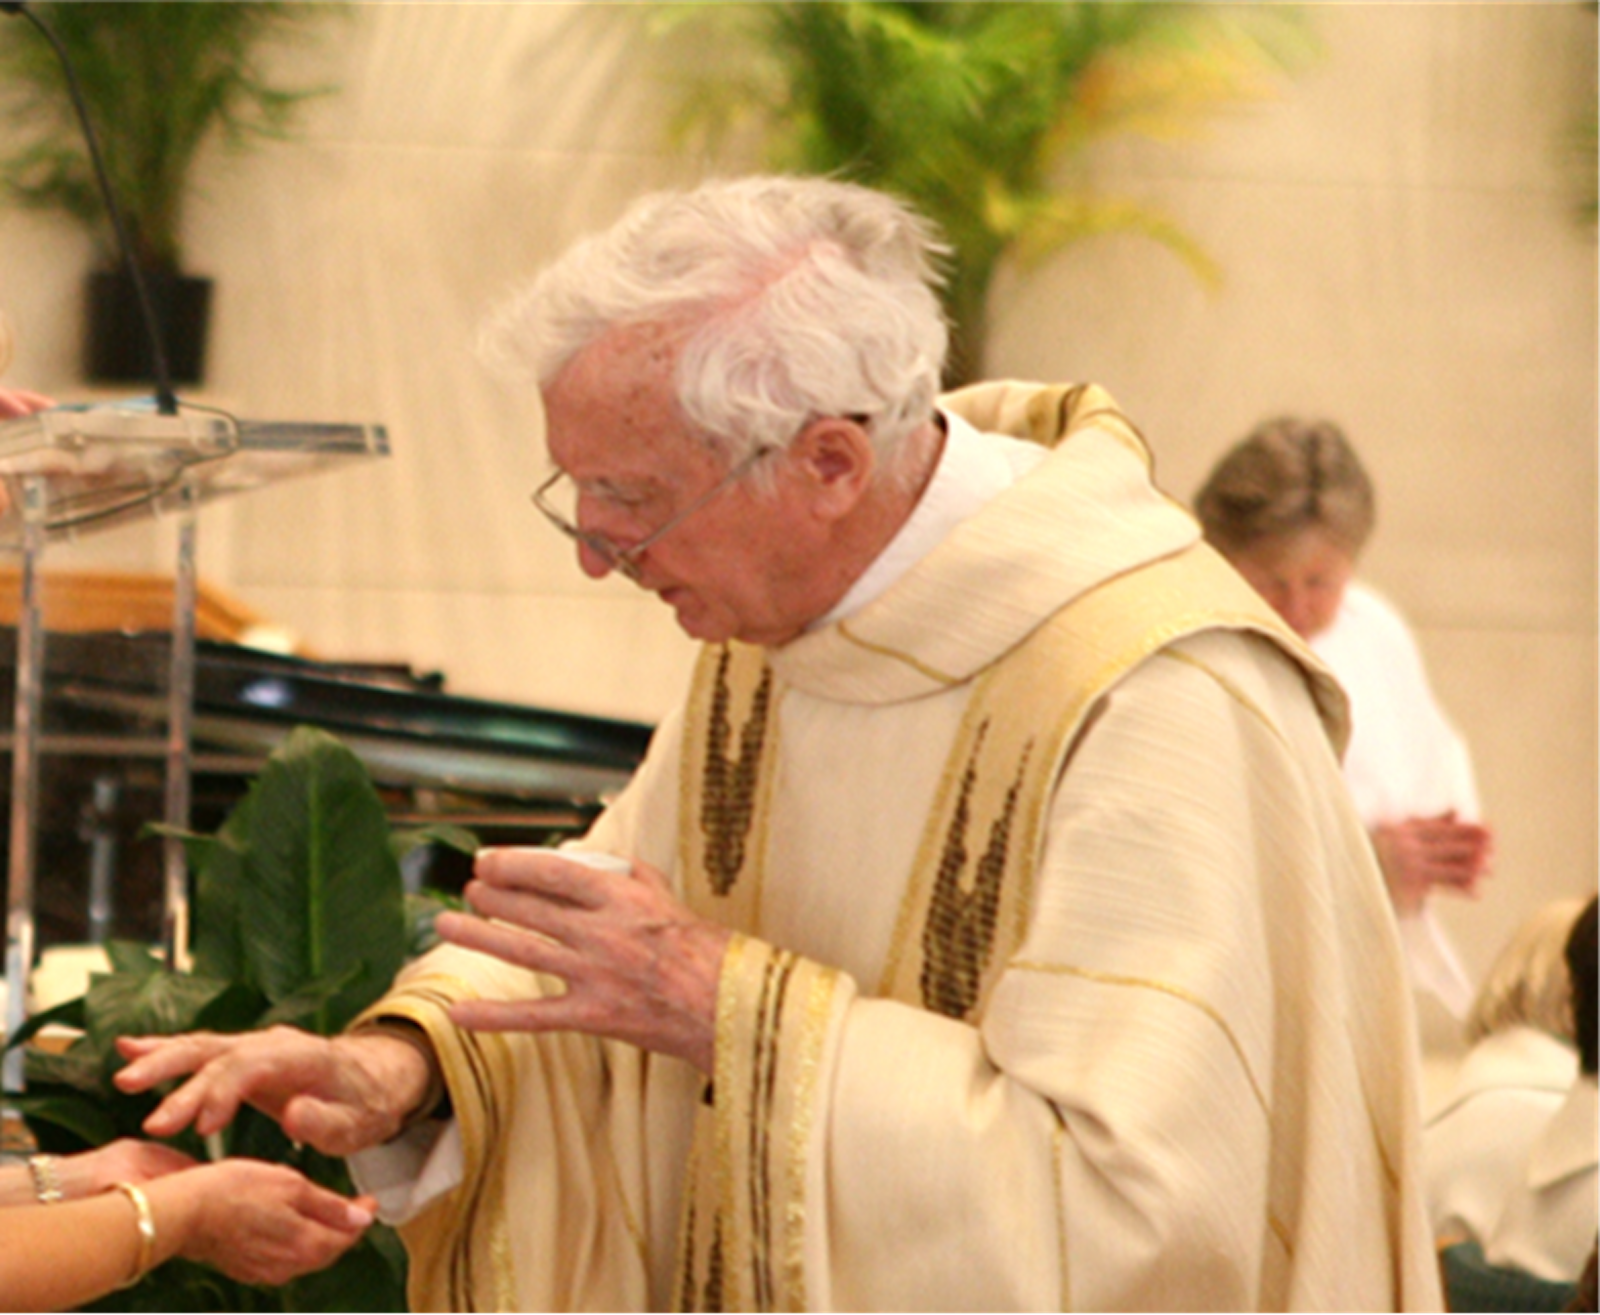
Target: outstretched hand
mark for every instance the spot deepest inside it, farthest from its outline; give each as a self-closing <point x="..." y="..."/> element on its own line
<point x="638" y="965"/>
<point x="340" y="1094"/>
<point x="1422" y="854"/>
<point x="16" y="402"/>
<point x="258" y="1222"/>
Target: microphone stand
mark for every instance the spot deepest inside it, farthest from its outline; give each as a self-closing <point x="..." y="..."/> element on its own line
<point x="20" y="942"/>
<point x="166" y="400"/>
<point x="310" y="444"/>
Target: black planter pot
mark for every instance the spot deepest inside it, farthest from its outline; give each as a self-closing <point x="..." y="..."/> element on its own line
<point x="117" y="345"/>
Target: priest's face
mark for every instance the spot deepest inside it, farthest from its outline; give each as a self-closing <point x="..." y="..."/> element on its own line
<point x="733" y="559"/>
<point x="1303" y="574"/>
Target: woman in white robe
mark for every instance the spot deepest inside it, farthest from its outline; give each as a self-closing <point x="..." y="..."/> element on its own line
<point x="1291" y="507"/>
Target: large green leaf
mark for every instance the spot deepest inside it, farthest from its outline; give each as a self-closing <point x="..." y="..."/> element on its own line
<point x="422" y="909"/>
<point x="299" y="917"/>
<point x="447" y="834"/>
<point x="217" y="862"/>
<point x="64" y="1121"/>
<point x="69" y="1013"/>
<point x="321" y="891"/>
<point x="159" y="1003"/>
<point x="366" y="1278"/>
<point x="303" y="1008"/>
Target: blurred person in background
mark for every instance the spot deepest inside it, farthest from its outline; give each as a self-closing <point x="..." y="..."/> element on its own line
<point x="1520" y="1066"/>
<point x="1291" y="506"/>
<point x="1550" y="1217"/>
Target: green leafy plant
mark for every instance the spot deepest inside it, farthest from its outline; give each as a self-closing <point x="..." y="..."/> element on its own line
<point x="983" y="115"/>
<point x="300" y="917"/>
<point x="159" y="80"/>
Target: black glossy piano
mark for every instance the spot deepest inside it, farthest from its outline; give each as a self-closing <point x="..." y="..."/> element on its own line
<point x="513" y="774"/>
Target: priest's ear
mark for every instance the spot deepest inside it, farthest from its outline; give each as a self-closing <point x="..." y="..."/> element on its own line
<point x="834" y="459"/>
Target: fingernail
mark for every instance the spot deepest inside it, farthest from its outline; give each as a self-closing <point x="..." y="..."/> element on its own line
<point x="358" y="1217"/>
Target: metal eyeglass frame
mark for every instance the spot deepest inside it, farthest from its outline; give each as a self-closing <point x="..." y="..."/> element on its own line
<point x="625" y="561"/>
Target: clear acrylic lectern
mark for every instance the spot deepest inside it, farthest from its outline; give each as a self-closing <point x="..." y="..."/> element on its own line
<point x="72" y="471"/>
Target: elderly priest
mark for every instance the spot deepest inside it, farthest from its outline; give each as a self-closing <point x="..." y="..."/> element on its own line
<point x="989" y="928"/>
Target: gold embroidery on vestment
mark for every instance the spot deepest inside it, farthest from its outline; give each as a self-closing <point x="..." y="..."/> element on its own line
<point x="805" y="1075"/>
<point x="725" y="802"/>
<point x="728" y="788"/>
<point x="743" y="1230"/>
<point x="959" y="933"/>
<point x="961" y="921"/>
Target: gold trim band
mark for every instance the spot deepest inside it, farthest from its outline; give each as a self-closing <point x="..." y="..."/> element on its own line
<point x="147" y="1231"/>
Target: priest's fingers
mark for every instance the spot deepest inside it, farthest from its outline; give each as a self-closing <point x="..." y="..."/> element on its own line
<point x="339" y="1094"/>
<point x="513" y="944"/>
<point x="263" y="1068"/>
<point x="572" y="900"/>
<point x="575" y="877"/>
<point x="644" y="972"/>
<point x="540" y="1015"/>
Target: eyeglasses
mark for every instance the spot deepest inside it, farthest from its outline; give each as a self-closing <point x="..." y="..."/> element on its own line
<point x="625" y="561"/>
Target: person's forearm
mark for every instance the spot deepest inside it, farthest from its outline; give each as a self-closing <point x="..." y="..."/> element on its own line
<point x="16" y="1185"/>
<point x="60" y="1256"/>
<point x="72" y="1175"/>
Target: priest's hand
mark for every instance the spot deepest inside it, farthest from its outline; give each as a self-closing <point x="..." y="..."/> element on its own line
<point x="340" y="1094"/>
<point x="638" y="965"/>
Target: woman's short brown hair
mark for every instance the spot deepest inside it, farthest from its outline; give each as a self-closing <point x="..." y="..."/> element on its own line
<point x="1287" y="475"/>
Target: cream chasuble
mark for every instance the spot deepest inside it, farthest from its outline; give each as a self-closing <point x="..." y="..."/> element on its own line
<point x="1065" y="979"/>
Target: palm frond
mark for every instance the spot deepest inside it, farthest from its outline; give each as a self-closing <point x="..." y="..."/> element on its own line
<point x="158" y="80"/>
<point x="984" y="115"/>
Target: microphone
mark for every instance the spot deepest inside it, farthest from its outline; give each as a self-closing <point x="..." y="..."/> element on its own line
<point x="166" y="399"/>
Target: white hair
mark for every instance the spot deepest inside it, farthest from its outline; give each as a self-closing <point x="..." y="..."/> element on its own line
<point x="794" y="298"/>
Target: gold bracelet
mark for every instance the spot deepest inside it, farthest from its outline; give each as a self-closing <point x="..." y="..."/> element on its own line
<point x="46" y="1183"/>
<point x="147" y="1231"/>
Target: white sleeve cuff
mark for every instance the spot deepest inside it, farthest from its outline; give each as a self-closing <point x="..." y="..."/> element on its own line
<point x="409" y="1173"/>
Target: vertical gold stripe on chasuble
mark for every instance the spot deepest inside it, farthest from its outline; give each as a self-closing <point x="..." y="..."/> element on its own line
<point x="763" y="1086"/>
<point x="743" y="1228"/>
<point x="714" y="1195"/>
<point x="1007" y="753"/>
<point x="806" y="1075"/>
<point x="730" y="749"/>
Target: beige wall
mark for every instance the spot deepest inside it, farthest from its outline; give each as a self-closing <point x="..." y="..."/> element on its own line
<point x="1399" y="253"/>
